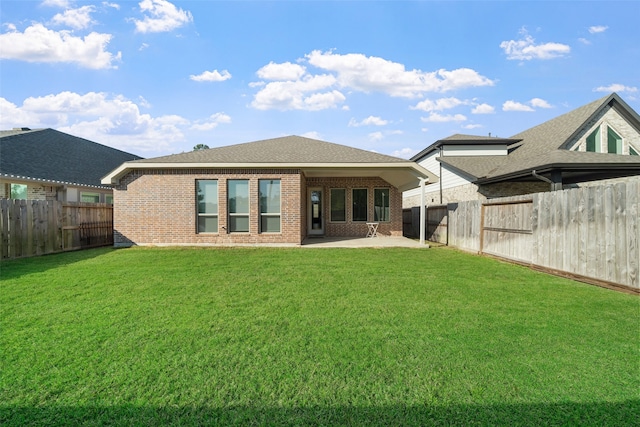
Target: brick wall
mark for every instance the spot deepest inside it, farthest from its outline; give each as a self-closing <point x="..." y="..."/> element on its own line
<point x="159" y="207"/>
<point x="359" y="229"/>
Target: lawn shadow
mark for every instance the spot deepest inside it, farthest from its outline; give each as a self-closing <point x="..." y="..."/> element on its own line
<point x="555" y="414"/>
<point x="16" y="268"/>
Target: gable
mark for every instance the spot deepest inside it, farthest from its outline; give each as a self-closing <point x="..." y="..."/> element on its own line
<point x="598" y="130"/>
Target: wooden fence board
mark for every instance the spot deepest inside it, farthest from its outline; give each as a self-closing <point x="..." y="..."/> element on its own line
<point x="591" y="232"/>
<point x="37" y="227"/>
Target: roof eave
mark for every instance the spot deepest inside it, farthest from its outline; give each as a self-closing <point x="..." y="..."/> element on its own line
<point x="413" y="168"/>
<point x="541" y="169"/>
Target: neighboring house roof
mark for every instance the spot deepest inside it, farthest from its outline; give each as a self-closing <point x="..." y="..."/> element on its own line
<point x="462" y="139"/>
<point x="545" y="147"/>
<point x="314" y="157"/>
<point x="51" y="156"/>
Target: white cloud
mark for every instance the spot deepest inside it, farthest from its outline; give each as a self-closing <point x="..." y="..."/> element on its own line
<point x="439" y="105"/>
<point x="369" y="121"/>
<point x="439" y="118"/>
<point x="212" y="122"/>
<point x="616" y="87"/>
<point x="527" y="49"/>
<point x="472" y="126"/>
<point x="285" y="71"/>
<point x="75" y="18"/>
<point x="211" y="76"/>
<point x="143" y="46"/>
<point x="540" y="103"/>
<point x="161" y="16"/>
<point x="112" y="5"/>
<point x="483" y="109"/>
<point x="289" y="86"/>
<point x="56" y="3"/>
<point x="376" y="136"/>
<point x="405" y="153"/>
<point x="374" y="74"/>
<point x="39" y="44"/>
<point x="584" y="41"/>
<point x="515" y="106"/>
<point x="111" y="120"/>
<point x="598" y="29"/>
<point x="304" y="94"/>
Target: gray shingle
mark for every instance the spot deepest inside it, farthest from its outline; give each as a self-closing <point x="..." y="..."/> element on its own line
<point x="284" y="150"/>
<point x="47" y="154"/>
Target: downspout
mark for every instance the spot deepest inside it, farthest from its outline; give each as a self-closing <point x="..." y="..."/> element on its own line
<point x="555" y="185"/>
<point x="422" y="210"/>
<point x="440" y="176"/>
<point x="540" y="177"/>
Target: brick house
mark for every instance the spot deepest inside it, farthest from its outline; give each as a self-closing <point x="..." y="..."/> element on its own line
<point x="275" y="191"/>
<point x="46" y="164"/>
<point x="595" y="142"/>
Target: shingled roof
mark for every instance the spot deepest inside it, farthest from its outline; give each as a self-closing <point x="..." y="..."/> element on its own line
<point x="284" y="150"/>
<point x="48" y="155"/>
<point x="312" y="156"/>
<point x="545" y="146"/>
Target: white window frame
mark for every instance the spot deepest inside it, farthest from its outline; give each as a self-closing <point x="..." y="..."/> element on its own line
<point x="269" y="214"/>
<point x="374" y="204"/>
<point x="207" y="215"/>
<point x="331" y="206"/>
<point x="239" y="214"/>
<point x="89" y="193"/>
<point x="367" y="206"/>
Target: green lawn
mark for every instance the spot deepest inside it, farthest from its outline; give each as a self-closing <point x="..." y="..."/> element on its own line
<point x="246" y="336"/>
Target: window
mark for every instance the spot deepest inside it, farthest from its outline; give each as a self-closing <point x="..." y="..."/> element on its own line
<point x="18" y="191"/>
<point x="207" y="195"/>
<point x="381" y="205"/>
<point x="614" y="142"/>
<point x="359" y="199"/>
<point x="238" y="193"/>
<point x="338" y="205"/>
<point x="90" y="197"/>
<point x="593" y="141"/>
<point x="108" y="199"/>
<point x="269" y="205"/>
<point x="632" y="152"/>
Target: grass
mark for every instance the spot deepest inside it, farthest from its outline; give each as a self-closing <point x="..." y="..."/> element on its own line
<point x="150" y="336"/>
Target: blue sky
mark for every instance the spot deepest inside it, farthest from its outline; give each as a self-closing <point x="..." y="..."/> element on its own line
<point x="154" y="77"/>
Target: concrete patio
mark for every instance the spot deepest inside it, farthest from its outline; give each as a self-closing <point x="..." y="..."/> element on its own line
<point x="362" y="242"/>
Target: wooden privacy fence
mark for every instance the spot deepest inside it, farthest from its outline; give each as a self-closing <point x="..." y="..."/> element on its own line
<point x="590" y="233"/>
<point x="38" y="227"/>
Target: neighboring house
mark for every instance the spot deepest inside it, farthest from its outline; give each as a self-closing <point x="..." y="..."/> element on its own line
<point x="597" y="141"/>
<point x="45" y="164"/>
<point x="272" y="191"/>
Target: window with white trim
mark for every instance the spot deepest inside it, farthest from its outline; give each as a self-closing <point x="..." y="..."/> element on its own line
<point x="359" y="198"/>
<point x="90" y="197"/>
<point x="207" y="200"/>
<point x="614" y="142"/>
<point x="381" y="209"/>
<point x="269" y="192"/>
<point x="338" y="205"/>
<point x="593" y="141"/>
<point x="238" y="205"/>
<point x="18" y="191"/>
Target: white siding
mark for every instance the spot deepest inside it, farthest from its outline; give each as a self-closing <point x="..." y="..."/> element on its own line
<point x="475" y="150"/>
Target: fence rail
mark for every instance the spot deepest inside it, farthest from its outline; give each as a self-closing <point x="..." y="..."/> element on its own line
<point x="590" y="233"/>
<point x="38" y="227"/>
